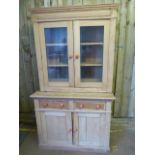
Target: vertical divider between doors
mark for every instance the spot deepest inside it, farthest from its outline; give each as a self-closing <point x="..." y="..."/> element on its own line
<point x="76" y="52"/>
<point x="73" y="35"/>
<point x="75" y="126"/>
<point x="72" y="121"/>
<point x="70" y="44"/>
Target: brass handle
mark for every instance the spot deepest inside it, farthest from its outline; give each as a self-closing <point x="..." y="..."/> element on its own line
<point x="77" y="57"/>
<point x="98" y="106"/>
<point x="45" y="105"/>
<point x="61" y="105"/>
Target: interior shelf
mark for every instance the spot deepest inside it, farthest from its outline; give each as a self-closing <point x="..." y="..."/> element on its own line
<point x="91" y="43"/>
<point x="59" y="80"/>
<point x="56" y="44"/>
<point x="91" y="65"/>
<point x="57" y="65"/>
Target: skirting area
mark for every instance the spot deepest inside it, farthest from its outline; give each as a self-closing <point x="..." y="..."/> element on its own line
<point x="122" y="141"/>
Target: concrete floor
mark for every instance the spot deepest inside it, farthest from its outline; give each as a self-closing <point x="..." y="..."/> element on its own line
<point x="122" y="142"/>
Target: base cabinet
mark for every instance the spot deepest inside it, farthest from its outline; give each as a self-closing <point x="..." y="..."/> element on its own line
<point x="86" y="127"/>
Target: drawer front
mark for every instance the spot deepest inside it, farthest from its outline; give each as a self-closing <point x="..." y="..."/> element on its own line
<point x="91" y="106"/>
<point x="55" y="104"/>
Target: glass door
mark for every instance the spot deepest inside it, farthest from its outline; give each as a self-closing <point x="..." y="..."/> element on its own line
<point x="91" y="51"/>
<point x="57" y="53"/>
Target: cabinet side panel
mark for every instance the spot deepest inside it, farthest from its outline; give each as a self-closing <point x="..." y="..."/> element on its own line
<point x="107" y="125"/>
<point x="111" y="53"/>
<point x="38" y="122"/>
<point x="44" y="127"/>
<point x="38" y="55"/>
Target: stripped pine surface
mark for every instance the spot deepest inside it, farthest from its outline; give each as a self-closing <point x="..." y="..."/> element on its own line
<point x="124" y="53"/>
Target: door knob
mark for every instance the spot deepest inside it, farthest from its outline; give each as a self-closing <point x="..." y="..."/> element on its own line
<point x="76" y="57"/>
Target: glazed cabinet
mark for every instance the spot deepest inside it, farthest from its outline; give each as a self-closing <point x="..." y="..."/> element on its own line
<point x="75" y="57"/>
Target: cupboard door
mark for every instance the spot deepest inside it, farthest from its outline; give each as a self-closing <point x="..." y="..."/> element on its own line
<point x="57" y="128"/>
<point x="89" y="129"/>
<point x="91" y="53"/>
<point x="57" y="53"/>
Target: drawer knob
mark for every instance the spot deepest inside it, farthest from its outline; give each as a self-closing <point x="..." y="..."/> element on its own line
<point x="45" y="105"/>
<point x="98" y="106"/>
<point x="81" y="106"/>
<point x="61" y="105"/>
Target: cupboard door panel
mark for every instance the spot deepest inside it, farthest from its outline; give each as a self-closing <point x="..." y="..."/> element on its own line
<point x="57" y="52"/>
<point x="91" y="41"/>
<point x="57" y="128"/>
<point x="89" y="129"/>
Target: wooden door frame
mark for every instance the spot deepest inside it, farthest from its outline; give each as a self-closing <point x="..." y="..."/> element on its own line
<point x="68" y="25"/>
<point x="68" y="121"/>
<point x="101" y="116"/>
<point x="76" y="27"/>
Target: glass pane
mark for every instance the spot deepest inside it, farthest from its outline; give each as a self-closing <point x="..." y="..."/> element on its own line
<point x="91" y="74"/>
<point x="57" y="55"/>
<point x="91" y="54"/>
<point x="56" y="35"/>
<point x="91" y="33"/>
<point x="58" y="73"/>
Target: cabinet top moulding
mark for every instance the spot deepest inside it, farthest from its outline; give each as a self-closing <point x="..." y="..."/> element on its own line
<point x="102" y="11"/>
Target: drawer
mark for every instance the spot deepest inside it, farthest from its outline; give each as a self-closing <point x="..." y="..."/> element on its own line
<point x="55" y="104"/>
<point x="91" y="106"/>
